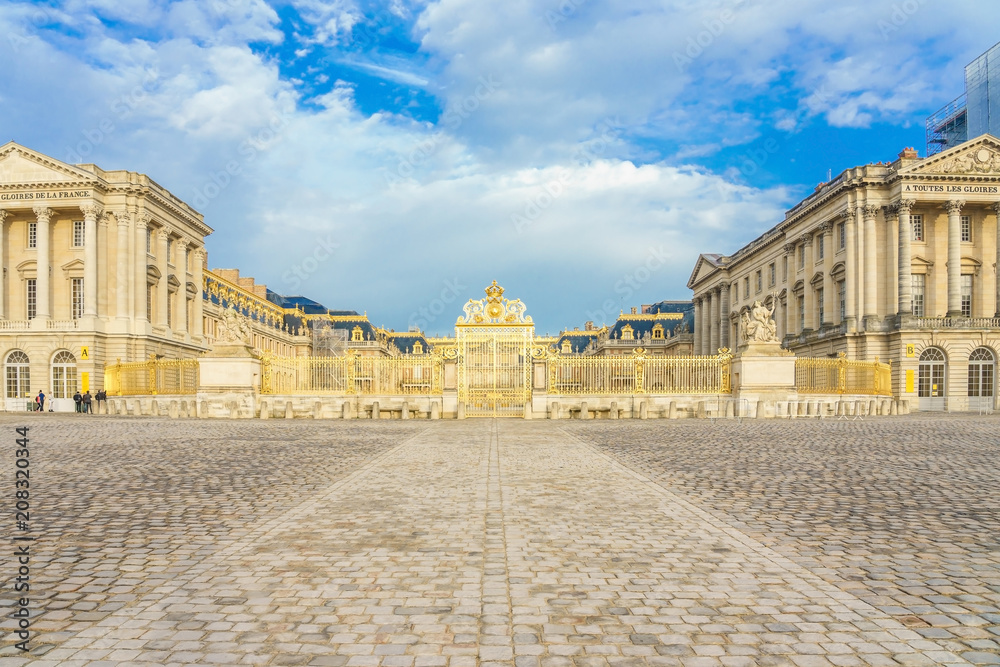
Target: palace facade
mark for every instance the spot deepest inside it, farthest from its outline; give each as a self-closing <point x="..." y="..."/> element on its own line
<point x="896" y="261"/>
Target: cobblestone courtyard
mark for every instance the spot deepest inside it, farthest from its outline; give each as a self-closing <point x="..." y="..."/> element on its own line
<point x="804" y="542"/>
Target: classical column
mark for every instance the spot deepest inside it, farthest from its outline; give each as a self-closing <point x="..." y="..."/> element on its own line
<point x="198" y="326"/>
<point x="43" y="215"/>
<point x="996" y="212"/>
<point x="697" y="326"/>
<point x="162" y="288"/>
<point x="954" y="209"/>
<point x="706" y="316"/>
<point x="789" y="298"/>
<point x="715" y="337"/>
<point x="182" y="310"/>
<point x="91" y="211"/>
<point x="724" y="319"/>
<point x="3" y="285"/>
<point x="121" y="266"/>
<point x="829" y="298"/>
<point x="142" y="221"/>
<point x="807" y="288"/>
<point x="905" y="290"/>
<point x="870" y="274"/>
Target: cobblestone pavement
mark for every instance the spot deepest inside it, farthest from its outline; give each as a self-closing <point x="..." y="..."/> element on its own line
<point x="419" y="544"/>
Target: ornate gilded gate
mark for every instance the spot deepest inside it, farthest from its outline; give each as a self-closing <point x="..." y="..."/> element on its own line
<point x="494" y="340"/>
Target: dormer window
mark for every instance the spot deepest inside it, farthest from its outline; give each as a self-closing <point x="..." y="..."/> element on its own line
<point x="627" y="332"/>
<point x="658" y="332"/>
<point x="567" y="347"/>
<point x="356" y="334"/>
<point x="418" y="348"/>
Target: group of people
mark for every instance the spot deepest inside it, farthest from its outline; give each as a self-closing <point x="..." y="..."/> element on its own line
<point x="83" y="402"/>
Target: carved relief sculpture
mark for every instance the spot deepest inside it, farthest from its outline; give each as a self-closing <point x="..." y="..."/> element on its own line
<point x="758" y="325"/>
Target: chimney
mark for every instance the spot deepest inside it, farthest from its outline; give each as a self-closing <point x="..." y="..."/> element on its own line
<point x="589" y="326"/>
<point x="635" y="311"/>
<point x="909" y="153"/>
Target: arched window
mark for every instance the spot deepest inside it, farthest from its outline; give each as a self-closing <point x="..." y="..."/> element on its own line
<point x="63" y="375"/>
<point x="658" y="332"/>
<point x="18" y="375"/>
<point x="982" y="374"/>
<point x="931" y="384"/>
<point x="418" y="348"/>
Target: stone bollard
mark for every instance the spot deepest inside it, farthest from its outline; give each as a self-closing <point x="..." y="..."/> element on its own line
<point x="614" y="410"/>
<point x="584" y="411"/>
<point x="701" y="412"/>
<point x="376" y="410"/>
<point x="527" y="409"/>
<point x="554" y="410"/>
<point x="172" y="410"/>
<point x="289" y="412"/>
<point x="672" y="410"/>
<point x="345" y="410"/>
<point x="265" y="412"/>
<point x="435" y="410"/>
<point x="317" y="411"/>
<point x="405" y="412"/>
<point x="203" y="411"/>
<point x="893" y="408"/>
<point x="460" y="411"/>
<point x="643" y="414"/>
<point x="730" y="409"/>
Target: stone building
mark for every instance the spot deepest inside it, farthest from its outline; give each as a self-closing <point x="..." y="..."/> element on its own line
<point x="664" y="328"/>
<point x="97" y="265"/>
<point x="890" y="260"/>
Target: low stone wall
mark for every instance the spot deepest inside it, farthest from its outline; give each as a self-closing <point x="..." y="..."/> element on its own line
<point x="543" y="406"/>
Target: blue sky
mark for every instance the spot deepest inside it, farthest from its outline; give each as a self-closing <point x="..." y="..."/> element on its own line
<point x="395" y="157"/>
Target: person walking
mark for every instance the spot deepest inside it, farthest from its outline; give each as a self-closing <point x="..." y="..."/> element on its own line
<point x="87" y="398"/>
<point x="40" y="400"/>
<point x="78" y="401"/>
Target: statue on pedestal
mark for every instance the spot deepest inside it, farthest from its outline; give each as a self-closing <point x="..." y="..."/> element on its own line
<point x="757" y="325"/>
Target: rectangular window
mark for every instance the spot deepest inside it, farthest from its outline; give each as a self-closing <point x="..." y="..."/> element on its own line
<point x="170" y="312"/>
<point x="842" y="299"/>
<point x="771" y="275"/>
<point x="917" y="226"/>
<point x="966" y="222"/>
<point x="149" y="302"/>
<point x="32" y="234"/>
<point x="918" y="284"/>
<point x="32" y="298"/>
<point x="966" y="295"/>
<point x="76" y="294"/>
<point x="802" y="313"/>
<point x="819" y="245"/>
<point x="170" y="250"/>
<point x="819" y="305"/>
<point x="736" y="291"/>
<point x="149" y="241"/>
<point x="78" y="233"/>
<point x="758" y="282"/>
<point x="802" y="256"/>
<point x="746" y="287"/>
<point x="842" y="234"/>
<point x="784" y="268"/>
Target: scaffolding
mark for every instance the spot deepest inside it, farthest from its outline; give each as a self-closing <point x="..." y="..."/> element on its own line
<point x="948" y="126"/>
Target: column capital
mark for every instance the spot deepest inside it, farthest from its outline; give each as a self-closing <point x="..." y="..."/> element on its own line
<point x="162" y="234"/>
<point x="954" y="207"/>
<point x="724" y="288"/>
<point x="996" y="208"/>
<point x="92" y="209"/>
<point x="122" y="217"/>
<point x="143" y="219"/>
<point x="826" y="227"/>
<point x="903" y="206"/>
<point x="871" y="210"/>
<point x="105" y="219"/>
<point x="42" y="212"/>
<point x="199" y="254"/>
<point x="850" y="212"/>
<point x="806" y="239"/>
<point x="890" y="209"/>
<point x="5" y="214"/>
<point x="789" y="248"/>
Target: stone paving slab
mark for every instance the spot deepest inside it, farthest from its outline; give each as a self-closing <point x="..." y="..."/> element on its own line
<point x="423" y="544"/>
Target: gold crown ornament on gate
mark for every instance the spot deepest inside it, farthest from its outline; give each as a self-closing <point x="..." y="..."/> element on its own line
<point x="494" y="309"/>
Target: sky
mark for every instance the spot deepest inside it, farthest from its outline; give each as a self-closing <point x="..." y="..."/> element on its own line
<point x="396" y="157"/>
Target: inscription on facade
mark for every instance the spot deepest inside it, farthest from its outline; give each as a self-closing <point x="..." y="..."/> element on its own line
<point x="54" y="194"/>
<point x="952" y="189"/>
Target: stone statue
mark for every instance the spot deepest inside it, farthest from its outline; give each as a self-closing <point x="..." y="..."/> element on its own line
<point x="234" y="327"/>
<point x="758" y="325"/>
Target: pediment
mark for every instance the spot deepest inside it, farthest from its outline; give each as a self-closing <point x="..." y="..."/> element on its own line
<point x="704" y="267"/>
<point x="978" y="157"/>
<point x="73" y="265"/>
<point x="23" y="165"/>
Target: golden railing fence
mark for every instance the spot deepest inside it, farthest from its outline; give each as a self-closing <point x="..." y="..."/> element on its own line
<point x="843" y="376"/>
<point x="639" y="374"/>
<point x="156" y="376"/>
<point x="412" y="374"/>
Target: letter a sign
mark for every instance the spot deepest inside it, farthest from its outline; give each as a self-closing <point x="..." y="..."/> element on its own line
<point x="85" y="353"/>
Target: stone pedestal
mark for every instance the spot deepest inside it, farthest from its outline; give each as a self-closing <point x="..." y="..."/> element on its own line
<point x="763" y="374"/>
<point x="228" y="382"/>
